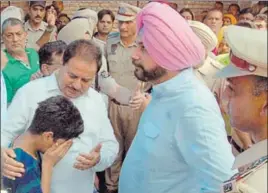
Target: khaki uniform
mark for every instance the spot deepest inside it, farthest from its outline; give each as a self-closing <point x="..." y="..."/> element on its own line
<point x="35" y="35"/>
<point x="124" y="120"/>
<point x="248" y="57"/>
<point x="252" y="177"/>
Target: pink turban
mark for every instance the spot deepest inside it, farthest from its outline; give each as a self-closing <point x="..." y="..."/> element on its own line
<point x="168" y="38"/>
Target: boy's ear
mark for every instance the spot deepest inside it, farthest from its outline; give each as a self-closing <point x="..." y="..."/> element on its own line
<point x="47" y="136"/>
<point x="264" y="109"/>
<point x="44" y="69"/>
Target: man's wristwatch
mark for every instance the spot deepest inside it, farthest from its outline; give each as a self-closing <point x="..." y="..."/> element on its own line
<point x="50" y="29"/>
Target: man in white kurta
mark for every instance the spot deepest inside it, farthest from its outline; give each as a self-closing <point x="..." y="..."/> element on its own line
<point x="98" y="129"/>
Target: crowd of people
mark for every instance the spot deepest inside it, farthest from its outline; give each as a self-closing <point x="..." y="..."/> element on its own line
<point x="164" y="104"/>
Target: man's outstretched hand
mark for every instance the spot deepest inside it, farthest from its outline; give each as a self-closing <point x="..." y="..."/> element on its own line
<point x="87" y="161"/>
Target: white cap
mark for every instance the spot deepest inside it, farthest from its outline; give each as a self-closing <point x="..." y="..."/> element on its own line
<point x="248" y="52"/>
<point x="76" y="29"/>
<point x="88" y="14"/>
<point x="127" y="12"/>
<point x="12" y="12"/>
<point x="205" y="34"/>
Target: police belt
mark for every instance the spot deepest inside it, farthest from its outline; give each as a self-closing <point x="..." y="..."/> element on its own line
<point x="117" y="103"/>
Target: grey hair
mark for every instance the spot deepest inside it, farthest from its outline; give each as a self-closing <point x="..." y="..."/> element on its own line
<point x="260" y="85"/>
<point x="11" y="22"/>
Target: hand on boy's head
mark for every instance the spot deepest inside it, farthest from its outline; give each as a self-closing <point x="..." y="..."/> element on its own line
<point x="87" y="161"/>
<point x="55" y="153"/>
<point x="10" y="167"/>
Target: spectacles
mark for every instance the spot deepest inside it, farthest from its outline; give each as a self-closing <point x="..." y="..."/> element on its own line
<point x="242" y="64"/>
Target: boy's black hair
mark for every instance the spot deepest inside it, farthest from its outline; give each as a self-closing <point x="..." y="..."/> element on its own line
<point x="58" y="115"/>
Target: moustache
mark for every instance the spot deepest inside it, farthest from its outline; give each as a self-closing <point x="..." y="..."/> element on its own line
<point x="74" y="89"/>
<point x="38" y="17"/>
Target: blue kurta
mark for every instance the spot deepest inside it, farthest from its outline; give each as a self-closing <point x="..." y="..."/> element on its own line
<point x="181" y="144"/>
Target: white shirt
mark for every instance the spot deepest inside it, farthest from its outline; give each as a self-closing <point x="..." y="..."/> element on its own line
<point x="3" y="99"/>
<point x="98" y="129"/>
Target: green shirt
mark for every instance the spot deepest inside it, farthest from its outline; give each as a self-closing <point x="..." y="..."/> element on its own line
<point x="17" y="74"/>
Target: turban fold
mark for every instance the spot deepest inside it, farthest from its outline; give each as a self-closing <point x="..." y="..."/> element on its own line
<point x="168" y="37"/>
<point x="75" y="30"/>
<point x="206" y="35"/>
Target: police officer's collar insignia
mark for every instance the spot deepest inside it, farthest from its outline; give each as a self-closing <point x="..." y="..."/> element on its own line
<point x="259" y="162"/>
<point x="228" y="187"/>
<point x="250" y="169"/>
<point x="113" y="48"/>
<point x="122" y="10"/>
<point x="105" y="74"/>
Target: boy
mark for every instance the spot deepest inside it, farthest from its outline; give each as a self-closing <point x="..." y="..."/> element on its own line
<point x="55" y="123"/>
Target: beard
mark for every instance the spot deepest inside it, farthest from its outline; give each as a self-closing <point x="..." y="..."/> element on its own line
<point x="148" y="75"/>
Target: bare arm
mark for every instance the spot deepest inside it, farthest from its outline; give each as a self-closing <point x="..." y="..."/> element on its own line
<point x="51" y="157"/>
<point x="46" y="177"/>
<point x="45" y="37"/>
<point x="51" y="28"/>
<point x="109" y="87"/>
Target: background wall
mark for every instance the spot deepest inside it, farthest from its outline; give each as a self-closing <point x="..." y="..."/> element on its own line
<point x="71" y="6"/>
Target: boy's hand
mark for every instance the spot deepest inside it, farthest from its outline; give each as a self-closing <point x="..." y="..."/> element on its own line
<point x="10" y="167"/>
<point x="86" y="161"/>
<point x="54" y="154"/>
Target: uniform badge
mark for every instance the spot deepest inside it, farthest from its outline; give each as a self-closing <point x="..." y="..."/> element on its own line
<point x="252" y="68"/>
<point x="228" y="187"/>
<point x="113" y="49"/>
<point x="122" y="10"/>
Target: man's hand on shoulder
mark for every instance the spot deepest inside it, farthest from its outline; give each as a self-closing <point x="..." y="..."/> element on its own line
<point x="10" y="167"/>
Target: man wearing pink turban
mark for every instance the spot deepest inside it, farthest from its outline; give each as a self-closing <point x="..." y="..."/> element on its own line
<point x="181" y="144"/>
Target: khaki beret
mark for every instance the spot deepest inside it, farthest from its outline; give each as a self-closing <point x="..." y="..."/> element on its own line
<point x="38" y="3"/>
<point x="127" y="12"/>
<point x="248" y="52"/>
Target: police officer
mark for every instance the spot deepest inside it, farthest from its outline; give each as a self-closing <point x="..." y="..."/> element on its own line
<point x="246" y="94"/>
<point x="119" y="49"/>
